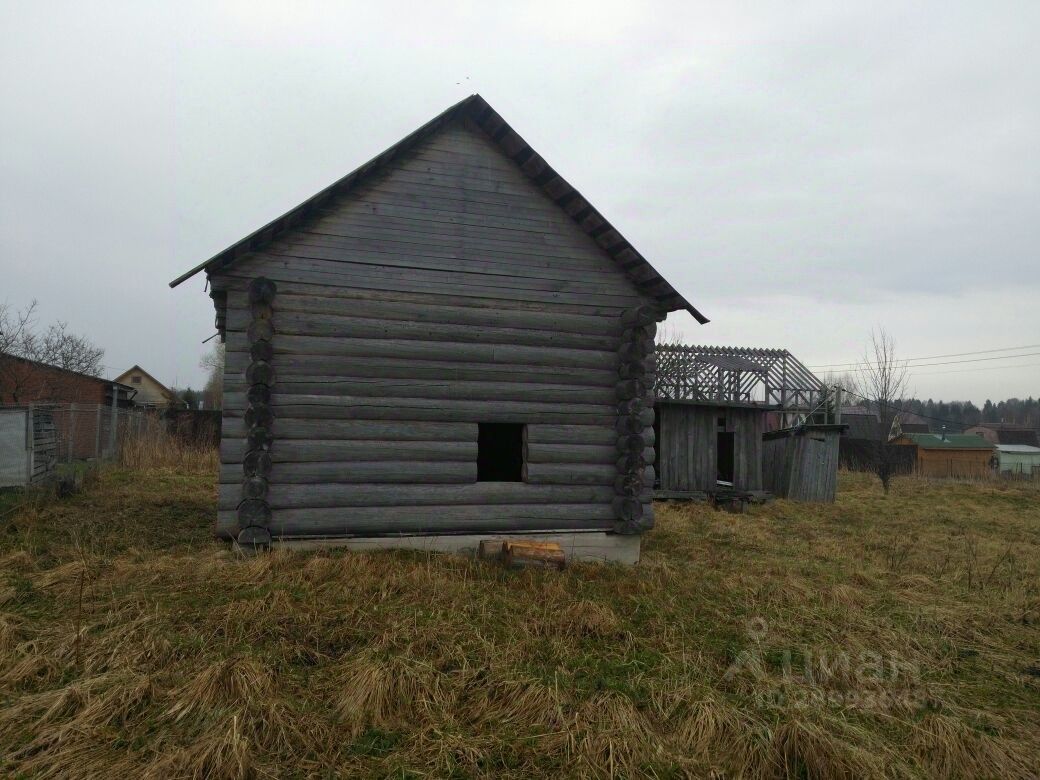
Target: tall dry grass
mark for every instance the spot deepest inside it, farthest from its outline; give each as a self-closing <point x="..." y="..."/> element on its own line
<point x="881" y="636"/>
<point x="151" y="446"/>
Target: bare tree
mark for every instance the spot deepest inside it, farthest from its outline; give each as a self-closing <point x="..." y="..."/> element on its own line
<point x="213" y="362"/>
<point x="669" y="335"/>
<point x="56" y="347"/>
<point x="883" y="380"/>
<point x="14" y="325"/>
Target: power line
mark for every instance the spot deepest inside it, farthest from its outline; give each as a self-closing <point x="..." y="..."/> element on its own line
<point x="903" y="364"/>
<point x="965" y="370"/>
<point x="934" y="357"/>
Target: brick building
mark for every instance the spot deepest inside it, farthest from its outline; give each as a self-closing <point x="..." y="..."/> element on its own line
<point x="79" y="403"/>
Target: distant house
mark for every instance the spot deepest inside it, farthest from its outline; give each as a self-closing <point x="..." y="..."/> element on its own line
<point x="1006" y="433"/>
<point x="908" y="422"/>
<point x="949" y="455"/>
<point x="856" y="447"/>
<point x="151" y="393"/>
<point x="1018" y="460"/>
<point x="913" y="427"/>
<point x="862" y="423"/>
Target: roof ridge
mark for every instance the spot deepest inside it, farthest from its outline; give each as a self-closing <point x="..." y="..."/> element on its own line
<point x="147" y="374"/>
<point x="648" y="280"/>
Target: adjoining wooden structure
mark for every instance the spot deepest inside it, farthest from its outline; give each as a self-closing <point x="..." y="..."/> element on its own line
<point x="801" y="463"/>
<point x="450" y="342"/>
<point x="701" y="445"/>
<point x="952" y="455"/>
<point x="713" y="405"/>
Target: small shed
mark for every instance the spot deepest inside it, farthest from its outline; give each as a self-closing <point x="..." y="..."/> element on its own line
<point x="954" y="455"/>
<point x="801" y="463"/>
<point x="448" y="344"/>
<point x="713" y="408"/>
<point x="1018" y="460"/>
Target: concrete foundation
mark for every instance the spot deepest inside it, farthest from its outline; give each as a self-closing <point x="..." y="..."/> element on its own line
<point x="578" y="546"/>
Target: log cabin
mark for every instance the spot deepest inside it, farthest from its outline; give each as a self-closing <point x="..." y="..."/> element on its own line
<point x="448" y="344"/>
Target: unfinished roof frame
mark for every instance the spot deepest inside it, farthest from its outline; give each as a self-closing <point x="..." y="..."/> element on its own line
<point x="736" y="376"/>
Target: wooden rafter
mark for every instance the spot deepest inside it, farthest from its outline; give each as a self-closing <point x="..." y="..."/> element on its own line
<point x="771" y="378"/>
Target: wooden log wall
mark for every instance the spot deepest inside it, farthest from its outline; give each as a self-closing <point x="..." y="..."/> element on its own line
<point x="254" y="511"/>
<point x="634" y="392"/>
<point x="448" y="292"/>
<point x="802" y="464"/>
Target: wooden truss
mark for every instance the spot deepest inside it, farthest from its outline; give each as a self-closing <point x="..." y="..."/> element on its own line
<point x="771" y="378"/>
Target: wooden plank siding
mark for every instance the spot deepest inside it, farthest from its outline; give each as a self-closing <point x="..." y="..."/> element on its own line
<point x="687" y="452"/>
<point x="802" y="465"/>
<point x="447" y="291"/>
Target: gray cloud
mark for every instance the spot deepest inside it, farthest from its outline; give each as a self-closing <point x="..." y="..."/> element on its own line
<point x="802" y="171"/>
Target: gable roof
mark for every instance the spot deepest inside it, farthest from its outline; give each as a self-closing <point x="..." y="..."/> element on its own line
<point x="952" y="441"/>
<point x="638" y="269"/>
<point x="67" y="371"/>
<point x="137" y="369"/>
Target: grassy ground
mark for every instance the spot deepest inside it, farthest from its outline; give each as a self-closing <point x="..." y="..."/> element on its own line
<point x="894" y="635"/>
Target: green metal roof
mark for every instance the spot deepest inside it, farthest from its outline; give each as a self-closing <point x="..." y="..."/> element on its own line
<point x="952" y="441"/>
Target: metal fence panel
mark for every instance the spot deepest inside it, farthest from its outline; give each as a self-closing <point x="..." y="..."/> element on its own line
<point x="14" y="452"/>
<point x="62" y="434"/>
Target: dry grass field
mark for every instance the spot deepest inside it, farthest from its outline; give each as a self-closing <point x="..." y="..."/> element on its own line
<point x="882" y="636"/>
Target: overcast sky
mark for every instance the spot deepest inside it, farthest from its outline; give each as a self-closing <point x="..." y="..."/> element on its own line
<point x="802" y="172"/>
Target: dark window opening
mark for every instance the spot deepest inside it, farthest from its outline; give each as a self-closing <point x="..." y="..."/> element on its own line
<point x="725" y="450"/>
<point x="500" y="452"/>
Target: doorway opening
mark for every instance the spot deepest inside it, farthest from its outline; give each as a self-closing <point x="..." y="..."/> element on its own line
<point x="725" y="452"/>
